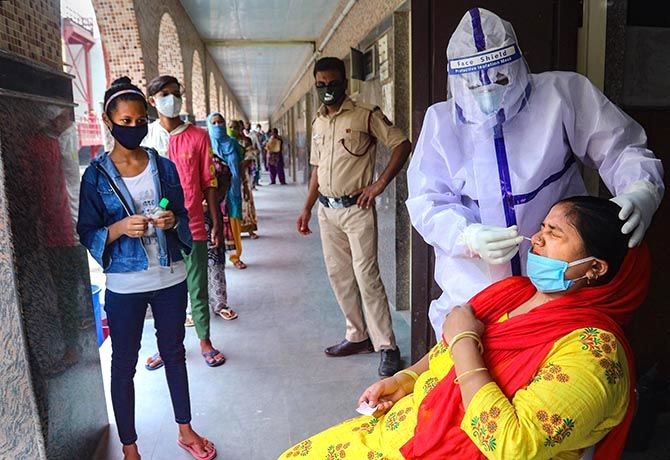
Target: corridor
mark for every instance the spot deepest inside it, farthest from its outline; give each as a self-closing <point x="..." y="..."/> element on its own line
<point x="343" y="84"/>
<point x="277" y="386"/>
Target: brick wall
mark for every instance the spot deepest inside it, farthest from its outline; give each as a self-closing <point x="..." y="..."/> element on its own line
<point x="198" y="88"/>
<point x="120" y="40"/>
<point x="359" y="22"/>
<point x="133" y="30"/>
<point x="213" y="91"/>
<point x="149" y="15"/>
<point x="31" y="29"/>
<point x="169" y="59"/>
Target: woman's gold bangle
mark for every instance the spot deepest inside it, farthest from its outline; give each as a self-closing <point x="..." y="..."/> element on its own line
<point x="409" y="373"/>
<point x="463" y="335"/>
<point x="458" y="378"/>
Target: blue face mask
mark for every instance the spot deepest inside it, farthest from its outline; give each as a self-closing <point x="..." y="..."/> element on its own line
<point x="489" y="98"/>
<point x="548" y="275"/>
<point x="129" y="136"/>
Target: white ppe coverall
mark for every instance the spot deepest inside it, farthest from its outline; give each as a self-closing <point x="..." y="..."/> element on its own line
<point x="504" y="148"/>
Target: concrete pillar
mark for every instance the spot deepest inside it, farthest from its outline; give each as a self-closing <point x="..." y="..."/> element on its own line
<point x="401" y="118"/>
<point x="293" y="113"/>
<point x="309" y="116"/>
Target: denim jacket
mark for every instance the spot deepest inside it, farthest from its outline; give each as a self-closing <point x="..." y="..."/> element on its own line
<point x="104" y="199"/>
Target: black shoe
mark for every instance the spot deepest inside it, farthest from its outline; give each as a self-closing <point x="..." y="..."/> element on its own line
<point x="390" y="362"/>
<point x="346" y="348"/>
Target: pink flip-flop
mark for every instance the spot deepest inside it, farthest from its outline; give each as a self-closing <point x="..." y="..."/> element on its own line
<point x="194" y="453"/>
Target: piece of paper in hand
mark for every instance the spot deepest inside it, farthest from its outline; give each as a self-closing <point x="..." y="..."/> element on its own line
<point x="365" y="409"/>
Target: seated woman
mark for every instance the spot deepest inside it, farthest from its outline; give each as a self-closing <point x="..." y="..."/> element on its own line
<point x="533" y="367"/>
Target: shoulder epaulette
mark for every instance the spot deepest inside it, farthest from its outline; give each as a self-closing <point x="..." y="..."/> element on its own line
<point x="363" y="105"/>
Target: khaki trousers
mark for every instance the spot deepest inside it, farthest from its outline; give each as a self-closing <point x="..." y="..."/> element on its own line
<point x="349" y="240"/>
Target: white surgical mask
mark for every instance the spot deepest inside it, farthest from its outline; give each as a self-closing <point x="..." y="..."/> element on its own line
<point x="169" y="105"/>
<point x="489" y="98"/>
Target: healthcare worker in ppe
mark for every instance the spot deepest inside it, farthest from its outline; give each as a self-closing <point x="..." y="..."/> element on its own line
<point x="493" y="158"/>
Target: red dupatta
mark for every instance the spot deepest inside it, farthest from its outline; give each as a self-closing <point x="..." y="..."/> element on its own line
<point x="514" y="350"/>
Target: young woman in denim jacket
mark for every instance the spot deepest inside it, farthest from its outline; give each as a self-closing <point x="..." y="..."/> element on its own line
<point x="140" y="249"/>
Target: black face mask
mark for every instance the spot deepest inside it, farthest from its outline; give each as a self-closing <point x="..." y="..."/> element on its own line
<point x="130" y="136"/>
<point x="331" y="93"/>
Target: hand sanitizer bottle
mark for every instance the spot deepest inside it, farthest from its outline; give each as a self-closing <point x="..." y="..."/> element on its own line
<point x="160" y="209"/>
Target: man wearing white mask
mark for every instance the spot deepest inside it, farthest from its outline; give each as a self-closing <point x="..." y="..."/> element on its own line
<point x="493" y="158"/>
<point x="167" y="101"/>
<point x="189" y="148"/>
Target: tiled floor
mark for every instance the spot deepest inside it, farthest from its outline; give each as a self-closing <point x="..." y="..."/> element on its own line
<point x="277" y="386"/>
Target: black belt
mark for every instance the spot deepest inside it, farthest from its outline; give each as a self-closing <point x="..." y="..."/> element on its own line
<point x="339" y="202"/>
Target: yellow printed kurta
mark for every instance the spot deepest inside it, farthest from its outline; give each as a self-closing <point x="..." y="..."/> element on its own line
<point x="579" y="393"/>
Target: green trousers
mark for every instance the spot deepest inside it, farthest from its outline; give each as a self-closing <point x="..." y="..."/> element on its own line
<point x="196" y="278"/>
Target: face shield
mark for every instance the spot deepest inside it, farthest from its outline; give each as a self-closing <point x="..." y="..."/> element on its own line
<point x="487" y="72"/>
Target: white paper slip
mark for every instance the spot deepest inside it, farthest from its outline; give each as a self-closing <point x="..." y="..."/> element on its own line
<point x="365" y="409"/>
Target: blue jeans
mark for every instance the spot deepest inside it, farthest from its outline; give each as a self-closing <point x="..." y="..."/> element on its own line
<point x="125" y="316"/>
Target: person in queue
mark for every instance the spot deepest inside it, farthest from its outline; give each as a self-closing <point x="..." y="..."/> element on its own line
<point x="189" y="148"/>
<point x="133" y="221"/>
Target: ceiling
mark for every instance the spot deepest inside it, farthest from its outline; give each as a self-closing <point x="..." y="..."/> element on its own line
<point x="260" y="45"/>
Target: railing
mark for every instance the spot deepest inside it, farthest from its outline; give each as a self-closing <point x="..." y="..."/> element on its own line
<point x="86" y="23"/>
<point x="88" y="130"/>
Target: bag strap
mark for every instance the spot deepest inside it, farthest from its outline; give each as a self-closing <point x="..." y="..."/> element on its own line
<point x="116" y="189"/>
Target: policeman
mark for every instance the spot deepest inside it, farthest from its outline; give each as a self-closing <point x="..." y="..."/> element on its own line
<point x="343" y="155"/>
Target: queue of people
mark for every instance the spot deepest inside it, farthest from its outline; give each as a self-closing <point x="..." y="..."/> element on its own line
<point x="538" y="278"/>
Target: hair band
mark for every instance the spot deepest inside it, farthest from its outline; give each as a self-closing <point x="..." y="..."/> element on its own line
<point x="125" y="91"/>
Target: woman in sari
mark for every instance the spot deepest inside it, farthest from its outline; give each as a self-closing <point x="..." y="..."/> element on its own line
<point x="533" y="367"/>
<point x="229" y="150"/>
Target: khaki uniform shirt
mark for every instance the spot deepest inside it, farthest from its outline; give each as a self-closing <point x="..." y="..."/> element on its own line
<point x="344" y="146"/>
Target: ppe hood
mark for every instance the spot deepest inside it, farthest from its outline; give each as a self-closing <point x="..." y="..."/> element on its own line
<point x="487" y="71"/>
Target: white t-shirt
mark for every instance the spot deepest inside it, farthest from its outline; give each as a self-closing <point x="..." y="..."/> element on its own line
<point x="141" y="188"/>
<point x="159" y="139"/>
